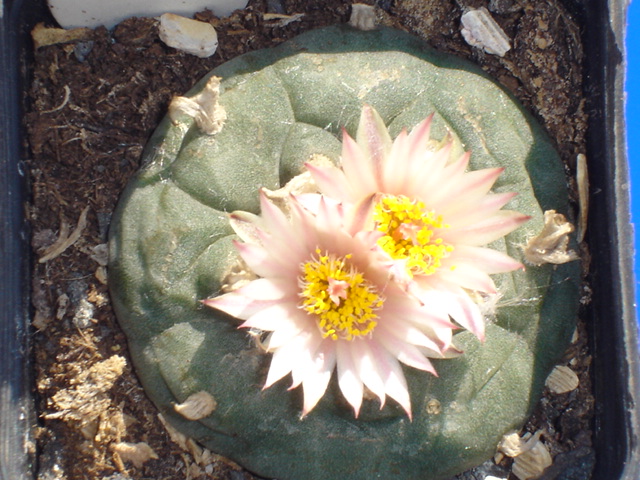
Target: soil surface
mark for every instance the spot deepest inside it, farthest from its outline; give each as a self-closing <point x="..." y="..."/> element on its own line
<point x="95" y="99"/>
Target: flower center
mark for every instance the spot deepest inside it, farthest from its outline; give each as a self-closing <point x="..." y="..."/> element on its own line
<point x="343" y="302"/>
<point x="410" y="233"/>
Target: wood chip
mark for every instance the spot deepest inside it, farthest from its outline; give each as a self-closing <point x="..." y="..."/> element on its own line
<point x="43" y="36"/>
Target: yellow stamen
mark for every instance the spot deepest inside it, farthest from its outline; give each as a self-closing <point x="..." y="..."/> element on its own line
<point x="410" y="232"/>
<point x="342" y="300"/>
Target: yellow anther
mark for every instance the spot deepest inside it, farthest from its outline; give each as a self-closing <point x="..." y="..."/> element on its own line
<point x="343" y="302"/>
<point x="410" y="233"/>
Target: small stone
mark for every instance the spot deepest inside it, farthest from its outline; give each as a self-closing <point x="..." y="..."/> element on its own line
<point x="363" y="17"/>
<point x="191" y="36"/>
<point x="83" y="317"/>
<point x="562" y="380"/>
<point x="480" y="30"/>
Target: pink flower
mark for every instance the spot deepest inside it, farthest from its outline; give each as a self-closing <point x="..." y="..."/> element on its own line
<point x="328" y="305"/>
<point x="434" y="217"/>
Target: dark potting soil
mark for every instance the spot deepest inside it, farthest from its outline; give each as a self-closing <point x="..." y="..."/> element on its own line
<point x="92" y="105"/>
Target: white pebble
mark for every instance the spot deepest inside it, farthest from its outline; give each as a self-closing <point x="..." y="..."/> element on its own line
<point x="191" y="36"/>
<point x="480" y="30"/>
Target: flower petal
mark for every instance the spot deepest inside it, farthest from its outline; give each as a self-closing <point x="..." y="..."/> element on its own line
<point x="467" y="314"/>
<point x="374" y="141"/>
<point x="395" y="383"/>
<point x="245" y="224"/>
<point x="282" y="315"/>
<point x="486" y="259"/>
<point x="332" y="182"/>
<point x="259" y="260"/>
<point x="406" y="353"/>
<point x="469" y="277"/>
<point x="251" y="298"/>
<point x="357" y="168"/>
<point x="317" y="377"/>
<point x="348" y="378"/>
<point x="469" y="210"/>
<point x="408" y="333"/>
<point x="482" y="233"/>
<point x="367" y="368"/>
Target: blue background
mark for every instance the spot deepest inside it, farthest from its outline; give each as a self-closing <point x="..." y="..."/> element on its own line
<point x="633" y="123"/>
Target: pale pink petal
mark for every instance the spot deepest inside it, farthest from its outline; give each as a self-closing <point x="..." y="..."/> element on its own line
<point x="260" y="261"/>
<point x="306" y="363"/>
<point x="358" y="217"/>
<point x="282" y="361"/>
<point x="275" y="220"/>
<point x="469" y="277"/>
<point x="486" y="259"/>
<point x="431" y="176"/>
<point x="408" y="334"/>
<point x="397" y="168"/>
<point x="332" y="182"/>
<point x="482" y="233"/>
<point x="375" y="142"/>
<point x="308" y="236"/>
<point x="428" y="309"/>
<point x="316" y="380"/>
<point x="348" y="379"/>
<point x="468" y="315"/>
<point x="472" y="185"/>
<point x="282" y="315"/>
<point x="328" y="219"/>
<point x="419" y="136"/>
<point x="357" y="168"/>
<point x="290" y="355"/>
<point x="406" y="353"/>
<point x="289" y="255"/>
<point x="367" y="370"/>
<point x="394" y="382"/>
<point x="465" y="210"/>
<point x="245" y="225"/>
<point x="278" y="338"/>
<point x="251" y="298"/>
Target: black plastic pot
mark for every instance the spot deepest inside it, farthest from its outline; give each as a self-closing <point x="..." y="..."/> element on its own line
<point x="613" y="327"/>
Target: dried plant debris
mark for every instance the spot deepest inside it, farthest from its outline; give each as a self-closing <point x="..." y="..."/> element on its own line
<point x="531" y="456"/>
<point x="96" y="97"/>
<point x="136" y="453"/>
<point x="86" y="398"/>
<point x="203" y="107"/>
<point x="65" y="239"/>
<point x="582" y="179"/>
<point x="196" y="406"/>
<point x="551" y="245"/>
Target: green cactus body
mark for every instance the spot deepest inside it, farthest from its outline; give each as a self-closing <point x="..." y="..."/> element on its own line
<point x="171" y="244"/>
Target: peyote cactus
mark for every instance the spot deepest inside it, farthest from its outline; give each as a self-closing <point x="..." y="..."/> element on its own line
<point x="171" y="247"/>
